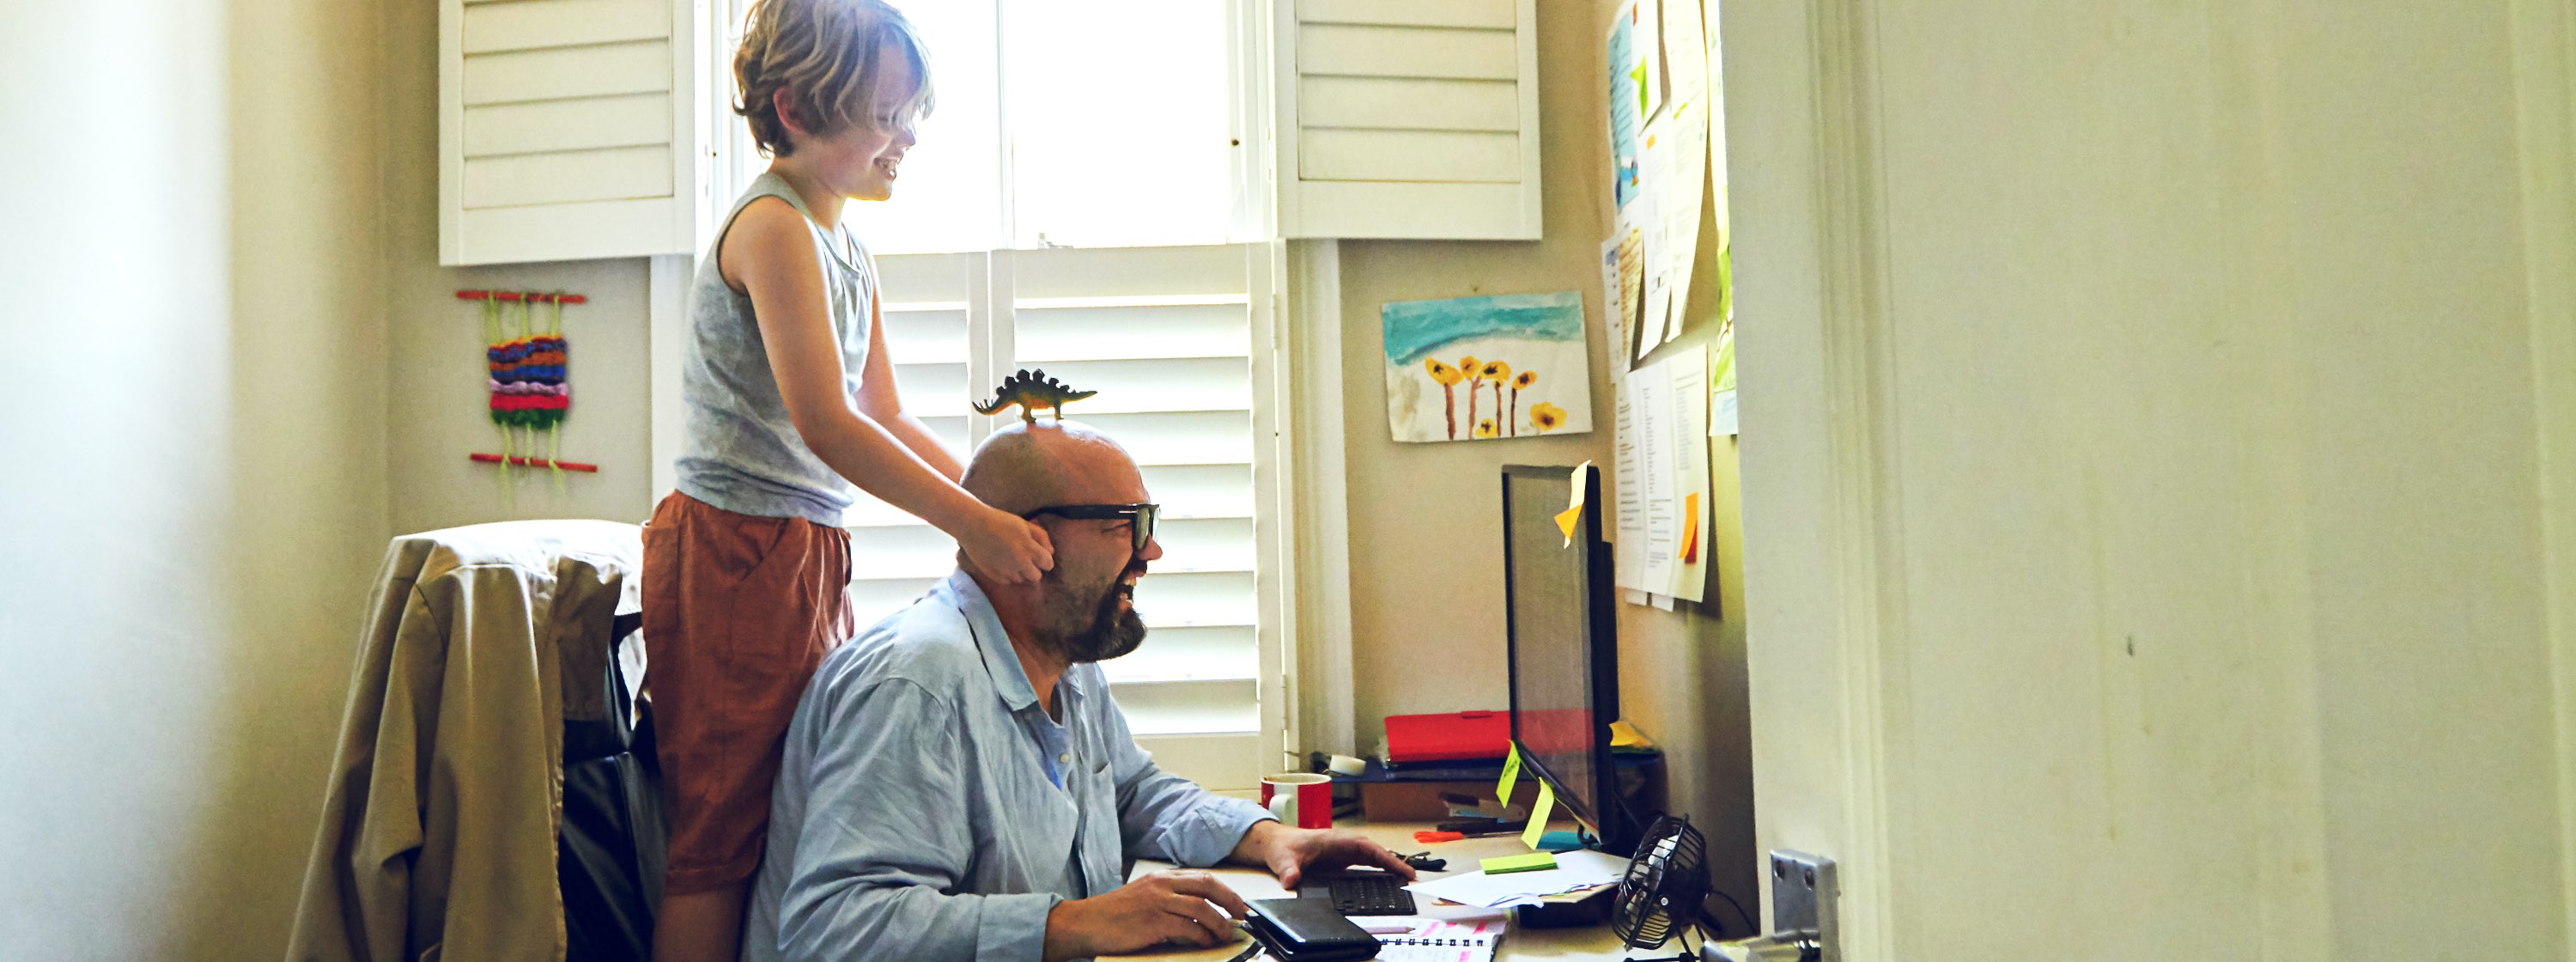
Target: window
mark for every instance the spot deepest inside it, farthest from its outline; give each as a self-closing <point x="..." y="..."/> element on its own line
<point x="1106" y="123"/>
<point x="1071" y="210"/>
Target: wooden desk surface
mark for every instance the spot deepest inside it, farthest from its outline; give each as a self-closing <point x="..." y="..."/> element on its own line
<point x="1593" y="942"/>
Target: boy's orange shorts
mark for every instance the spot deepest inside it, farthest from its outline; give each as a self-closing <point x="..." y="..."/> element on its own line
<point x="738" y="612"/>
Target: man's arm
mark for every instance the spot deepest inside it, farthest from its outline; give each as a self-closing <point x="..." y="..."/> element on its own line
<point x="882" y="839"/>
<point x="1162" y="815"/>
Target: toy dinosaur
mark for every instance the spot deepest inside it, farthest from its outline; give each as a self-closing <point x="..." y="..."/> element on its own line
<point x="1031" y="390"/>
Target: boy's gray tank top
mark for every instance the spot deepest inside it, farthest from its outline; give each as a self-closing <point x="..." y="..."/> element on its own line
<point x="740" y="451"/>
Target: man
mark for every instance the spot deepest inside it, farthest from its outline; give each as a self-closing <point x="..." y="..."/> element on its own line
<point x="957" y="783"/>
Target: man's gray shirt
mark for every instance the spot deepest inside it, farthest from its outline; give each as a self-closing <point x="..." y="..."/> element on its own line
<point x="928" y="809"/>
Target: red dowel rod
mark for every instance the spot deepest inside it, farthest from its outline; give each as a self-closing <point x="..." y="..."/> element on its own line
<point x="518" y="296"/>
<point x="535" y="463"/>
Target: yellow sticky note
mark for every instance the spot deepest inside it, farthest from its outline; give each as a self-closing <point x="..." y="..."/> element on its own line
<point x="1539" y="811"/>
<point x="1505" y="864"/>
<point x="1690" y="528"/>
<point x="1511" y="776"/>
<point x="1574" y="503"/>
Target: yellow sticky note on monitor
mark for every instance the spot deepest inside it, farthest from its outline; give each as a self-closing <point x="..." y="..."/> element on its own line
<point x="1511" y="776"/>
<point x="1573" y="512"/>
<point x="1539" y="811"/>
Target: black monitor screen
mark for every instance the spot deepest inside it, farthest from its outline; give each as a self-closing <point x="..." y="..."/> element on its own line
<point x="1555" y="665"/>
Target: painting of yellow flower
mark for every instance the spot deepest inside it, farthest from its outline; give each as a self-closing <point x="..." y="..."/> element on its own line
<point x="1545" y="417"/>
<point x="1447" y="377"/>
<point x="1526" y="349"/>
<point x="1519" y="381"/>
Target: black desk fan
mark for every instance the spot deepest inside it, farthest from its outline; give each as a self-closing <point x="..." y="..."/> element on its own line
<point x="1662" y="890"/>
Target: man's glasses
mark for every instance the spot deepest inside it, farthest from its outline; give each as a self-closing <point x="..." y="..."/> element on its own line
<point x="1140" y="517"/>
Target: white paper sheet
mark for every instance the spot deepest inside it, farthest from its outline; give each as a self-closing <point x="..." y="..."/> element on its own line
<point x="1688" y="373"/>
<point x="1689" y="176"/>
<point x="1661" y="476"/>
<point x="1582" y="868"/>
<point x="1628" y="554"/>
<point x="1647" y="214"/>
<point x="1656" y="465"/>
<point x="1685" y="50"/>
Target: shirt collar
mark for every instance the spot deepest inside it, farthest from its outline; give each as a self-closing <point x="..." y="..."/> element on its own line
<point x="1001" y="661"/>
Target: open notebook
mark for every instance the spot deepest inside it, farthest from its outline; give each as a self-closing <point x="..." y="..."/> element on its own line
<point x="1442" y="940"/>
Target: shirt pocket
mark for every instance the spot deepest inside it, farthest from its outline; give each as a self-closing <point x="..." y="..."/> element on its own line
<point x="1103" y="854"/>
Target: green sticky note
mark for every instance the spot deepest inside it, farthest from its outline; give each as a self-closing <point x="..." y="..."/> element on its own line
<point x="1539" y="811"/>
<point x="1511" y="776"/>
<point x="1531" y="862"/>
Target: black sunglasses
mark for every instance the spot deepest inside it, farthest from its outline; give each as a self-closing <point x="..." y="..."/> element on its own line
<point x="1140" y="517"/>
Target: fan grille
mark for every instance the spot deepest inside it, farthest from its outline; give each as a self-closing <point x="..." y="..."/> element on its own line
<point x="1663" y="885"/>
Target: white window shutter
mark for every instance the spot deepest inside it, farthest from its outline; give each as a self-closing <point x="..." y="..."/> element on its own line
<point x="570" y="129"/>
<point x="1176" y="340"/>
<point x="1414" y="120"/>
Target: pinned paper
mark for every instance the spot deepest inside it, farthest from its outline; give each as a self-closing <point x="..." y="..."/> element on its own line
<point x="1539" y="811"/>
<point x="1511" y="776"/>
<point x="1690" y="528"/>
<point x="1573" y="512"/>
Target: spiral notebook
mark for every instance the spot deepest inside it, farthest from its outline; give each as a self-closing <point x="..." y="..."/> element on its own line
<point x="1444" y="941"/>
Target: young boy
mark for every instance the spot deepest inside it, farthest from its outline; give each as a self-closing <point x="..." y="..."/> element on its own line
<point x="791" y="400"/>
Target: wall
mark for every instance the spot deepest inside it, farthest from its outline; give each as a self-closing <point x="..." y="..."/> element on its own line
<point x="2147" y="531"/>
<point x="1426" y="550"/>
<point x="195" y="496"/>
<point x="437" y="413"/>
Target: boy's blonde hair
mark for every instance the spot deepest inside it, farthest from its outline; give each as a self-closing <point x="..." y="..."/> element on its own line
<point x="825" y="54"/>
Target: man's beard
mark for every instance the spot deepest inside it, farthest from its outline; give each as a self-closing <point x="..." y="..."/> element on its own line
<point x="1109" y="632"/>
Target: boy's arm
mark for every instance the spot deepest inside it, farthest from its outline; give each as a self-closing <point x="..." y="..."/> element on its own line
<point x="878" y="399"/>
<point x="772" y="252"/>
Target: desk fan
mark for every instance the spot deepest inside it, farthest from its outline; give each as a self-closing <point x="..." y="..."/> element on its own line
<point x="1662" y="890"/>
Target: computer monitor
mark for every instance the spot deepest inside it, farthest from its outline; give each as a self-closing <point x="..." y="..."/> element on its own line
<point x="1564" y="648"/>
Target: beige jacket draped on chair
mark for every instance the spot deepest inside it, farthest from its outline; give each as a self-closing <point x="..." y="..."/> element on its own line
<point x="438" y="827"/>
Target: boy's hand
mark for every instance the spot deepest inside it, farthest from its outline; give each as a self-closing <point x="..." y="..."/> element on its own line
<point x="1011" y="548"/>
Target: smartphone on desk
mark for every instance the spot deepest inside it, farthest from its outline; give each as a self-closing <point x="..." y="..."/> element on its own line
<point x="1308" y="930"/>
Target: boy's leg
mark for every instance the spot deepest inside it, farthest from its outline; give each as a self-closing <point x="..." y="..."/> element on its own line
<point x="738" y="611"/>
<point x="700" y="926"/>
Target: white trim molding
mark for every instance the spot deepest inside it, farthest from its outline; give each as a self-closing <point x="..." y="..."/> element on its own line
<point x="1321" y="645"/>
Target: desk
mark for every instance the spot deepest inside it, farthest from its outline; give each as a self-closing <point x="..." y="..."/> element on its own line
<point x="1593" y="942"/>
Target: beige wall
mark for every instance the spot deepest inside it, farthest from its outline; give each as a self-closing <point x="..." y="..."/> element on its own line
<point x="1425" y="539"/>
<point x="2144" y="485"/>
<point x="436" y="413"/>
<point x="195" y="491"/>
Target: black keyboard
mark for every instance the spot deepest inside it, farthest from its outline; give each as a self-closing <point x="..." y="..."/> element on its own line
<point x="1360" y="893"/>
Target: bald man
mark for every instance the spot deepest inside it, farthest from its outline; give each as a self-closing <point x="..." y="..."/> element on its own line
<point x="957" y="783"/>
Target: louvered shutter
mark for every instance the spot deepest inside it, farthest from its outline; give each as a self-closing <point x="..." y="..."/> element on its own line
<point x="1414" y="119"/>
<point x="569" y="129"/>
<point x="1168" y="337"/>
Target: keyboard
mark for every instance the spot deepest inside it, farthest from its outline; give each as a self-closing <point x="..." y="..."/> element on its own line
<point x="1360" y="893"/>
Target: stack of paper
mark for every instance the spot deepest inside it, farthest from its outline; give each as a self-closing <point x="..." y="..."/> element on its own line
<point x="1574" y="870"/>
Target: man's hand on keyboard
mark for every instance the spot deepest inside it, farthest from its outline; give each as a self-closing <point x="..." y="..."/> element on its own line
<point x="1290" y="852"/>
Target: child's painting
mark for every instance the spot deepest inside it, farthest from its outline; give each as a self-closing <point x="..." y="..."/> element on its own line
<point x="1474" y="368"/>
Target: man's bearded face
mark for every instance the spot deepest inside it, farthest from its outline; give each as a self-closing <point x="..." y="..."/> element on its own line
<point x="1092" y="617"/>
